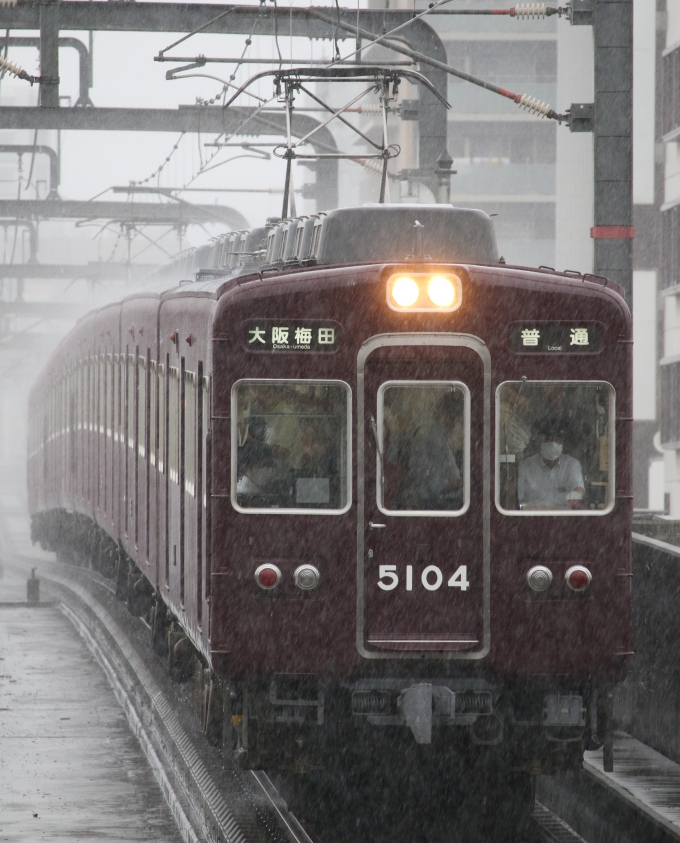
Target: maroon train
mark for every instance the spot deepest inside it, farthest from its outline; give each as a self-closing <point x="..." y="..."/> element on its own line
<point x="375" y="482"/>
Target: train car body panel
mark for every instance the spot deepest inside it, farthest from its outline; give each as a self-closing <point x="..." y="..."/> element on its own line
<point x="396" y="481"/>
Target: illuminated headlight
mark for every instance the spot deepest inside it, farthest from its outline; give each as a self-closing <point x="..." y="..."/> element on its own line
<point x="441" y="291"/>
<point x="405" y="291"/>
<point x="422" y="292"/>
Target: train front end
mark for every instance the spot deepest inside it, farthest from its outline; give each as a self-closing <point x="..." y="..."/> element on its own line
<point x="421" y="498"/>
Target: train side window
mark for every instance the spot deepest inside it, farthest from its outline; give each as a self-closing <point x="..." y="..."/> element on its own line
<point x="173" y="425"/>
<point x="423" y="433"/>
<point x="131" y="396"/>
<point x="162" y="417"/>
<point x="109" y="396"/>
<point x="102" y="394"/>
<point x="555" y="448"/>
<point x="153" y="416"/>
<point x="116" y="398"/>
<point x="291" y="446"/>
<point x="141" y="406"/>
<point x="205" y="398"/>
<point x="190" y="433"/>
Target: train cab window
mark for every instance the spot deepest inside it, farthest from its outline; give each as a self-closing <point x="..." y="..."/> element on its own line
<point x="555" y="448"/>
<point x="423" y="435"/>
<point x="291" y="450"/>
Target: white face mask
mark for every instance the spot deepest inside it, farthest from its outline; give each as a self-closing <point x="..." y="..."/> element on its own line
<point x="551" y="451"/>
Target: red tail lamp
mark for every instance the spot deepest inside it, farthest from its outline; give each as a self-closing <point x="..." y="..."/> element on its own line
<point x="578" y="578"/>
<point x="267" y="576"/>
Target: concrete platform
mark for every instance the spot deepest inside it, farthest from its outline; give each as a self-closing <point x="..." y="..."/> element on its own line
<point x="644" y="778"/>
<point x="70" y="768"/>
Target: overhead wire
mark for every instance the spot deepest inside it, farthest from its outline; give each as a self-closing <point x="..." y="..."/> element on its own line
<point x="159" y="169"/>
<point x="522" y="100"/>
<point x="203" y="166"/>
<point x="276" y="32"/>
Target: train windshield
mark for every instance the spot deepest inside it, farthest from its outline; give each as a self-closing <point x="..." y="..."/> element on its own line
<point x="555" y="448"/>
<point x="290" y="448"/>
<point x="423" y="448"/>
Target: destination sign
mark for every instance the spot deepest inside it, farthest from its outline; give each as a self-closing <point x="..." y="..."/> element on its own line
<point x="310" y="335"/>
<point x="555" y="337"/>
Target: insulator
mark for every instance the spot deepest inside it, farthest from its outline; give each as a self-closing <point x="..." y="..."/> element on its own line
<point x="532" y="104"/>
<point x="371" y="164"/>
<point x="8" y="2"/>
<point x="9" y="66"/>
<point x="370" y="108"/>
<point x="530" y="10"/>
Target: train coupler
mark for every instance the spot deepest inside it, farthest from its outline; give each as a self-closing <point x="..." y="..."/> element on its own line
<point x="423" y="705"/>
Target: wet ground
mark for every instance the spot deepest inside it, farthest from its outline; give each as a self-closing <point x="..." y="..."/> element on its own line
<point x="70" y="768"/>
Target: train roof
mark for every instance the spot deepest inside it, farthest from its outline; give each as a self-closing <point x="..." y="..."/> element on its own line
<point x="367" y="235"/>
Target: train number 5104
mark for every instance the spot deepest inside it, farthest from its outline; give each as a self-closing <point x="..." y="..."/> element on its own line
<point x="431" y="578"/>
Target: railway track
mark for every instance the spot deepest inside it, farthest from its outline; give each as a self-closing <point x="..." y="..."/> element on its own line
<point x="210" y="797"/>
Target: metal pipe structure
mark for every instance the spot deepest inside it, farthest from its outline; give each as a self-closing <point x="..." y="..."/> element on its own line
<point x="180" y="213"/>
<point x="246" y="20"/>
<point x="49" y="54"/>
<point x="85" y="61"/>
<point x="28" y="149"/>
<point x="611" y="19"/>
<point x="613" y="143"/>
<point x="204" y="119"/>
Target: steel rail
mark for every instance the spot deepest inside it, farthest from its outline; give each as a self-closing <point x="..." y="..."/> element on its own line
<point x="245" y="807"/>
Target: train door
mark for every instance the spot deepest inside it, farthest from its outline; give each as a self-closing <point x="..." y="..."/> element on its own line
<point x="423" y="496"/>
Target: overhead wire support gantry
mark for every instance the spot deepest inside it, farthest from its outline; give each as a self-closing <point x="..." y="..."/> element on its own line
<point x="520" y="11"/>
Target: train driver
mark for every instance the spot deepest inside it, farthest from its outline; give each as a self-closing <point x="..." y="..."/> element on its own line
<point x="550" y="479"/>
<point x="432" y="478"/>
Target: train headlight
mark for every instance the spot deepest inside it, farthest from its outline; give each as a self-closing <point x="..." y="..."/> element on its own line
<point x="405" y="291"/>
<point x="441" y="291"/>
<point x="422" y="292"/>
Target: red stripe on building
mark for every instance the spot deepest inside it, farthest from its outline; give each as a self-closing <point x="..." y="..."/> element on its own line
<point x="612" y="232"/>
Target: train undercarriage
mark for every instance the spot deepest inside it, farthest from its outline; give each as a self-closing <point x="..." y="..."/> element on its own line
<point x="298" y="722"/>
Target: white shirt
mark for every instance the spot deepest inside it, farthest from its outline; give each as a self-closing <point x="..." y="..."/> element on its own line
<point x="540" y="485"/>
